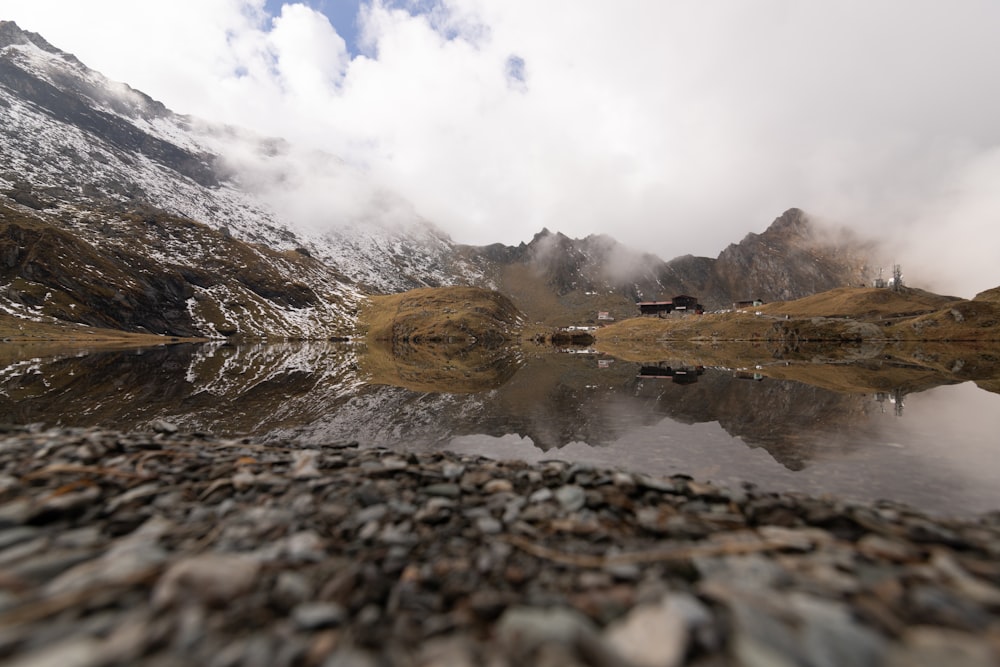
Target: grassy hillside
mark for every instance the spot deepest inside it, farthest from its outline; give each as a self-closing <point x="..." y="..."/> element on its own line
<point x="842" y="315"/>
<point x="861" y="304"/>
<point x="441" y="315"/>
<point x="41" y="329"/>
<point x="992" y="295"/>
<point x="529" y="290"/>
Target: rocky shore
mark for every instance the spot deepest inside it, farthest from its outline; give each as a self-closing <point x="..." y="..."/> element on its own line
<point x="166" y="549"/>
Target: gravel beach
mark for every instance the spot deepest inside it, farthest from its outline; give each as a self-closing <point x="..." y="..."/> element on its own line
<point x="163" y="548"/>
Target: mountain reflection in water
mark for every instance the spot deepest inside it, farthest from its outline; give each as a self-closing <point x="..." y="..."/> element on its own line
<point x="843" y="429"/>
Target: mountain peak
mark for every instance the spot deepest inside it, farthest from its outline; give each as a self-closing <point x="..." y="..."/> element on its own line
<point x="544" y="234"/>
<point x="11" y="34"/>
<point x="792" y="221"/>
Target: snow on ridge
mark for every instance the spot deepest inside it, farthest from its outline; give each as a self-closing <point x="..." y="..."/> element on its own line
<point x="49" y="153"/>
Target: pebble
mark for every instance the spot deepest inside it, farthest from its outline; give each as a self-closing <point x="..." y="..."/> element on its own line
<point x="541" y="495"/>
<point x="304" y="464"/>
<point x="16" y="535"/>
<point x="445" y="489"/>
<point x="525" y="629"/>
<point x="316" y="615"/>
<point x="571" y="497"/>
<point x="208" y="578"/>
<point x="162" y="426"/>
<point x="236" y="552"/>
<point x="498" y="486"/>
<point x="487" y="525"/>
<point x="652" y="635"/>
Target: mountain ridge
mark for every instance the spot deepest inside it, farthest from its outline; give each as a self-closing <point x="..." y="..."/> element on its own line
<point x="103" y="161"/>
<point x="794" y="256"/>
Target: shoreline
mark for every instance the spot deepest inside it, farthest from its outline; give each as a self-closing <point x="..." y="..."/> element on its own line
<point x="166" y="548"/>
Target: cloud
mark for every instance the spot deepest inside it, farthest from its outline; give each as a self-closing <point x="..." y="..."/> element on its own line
<point x="674" y="127"/>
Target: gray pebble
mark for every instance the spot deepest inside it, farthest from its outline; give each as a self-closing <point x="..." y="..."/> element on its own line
<point x="571" y="497"/>
<point x="316" y="615"/>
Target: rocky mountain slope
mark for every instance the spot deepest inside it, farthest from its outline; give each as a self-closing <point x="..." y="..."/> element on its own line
<point x="141" y="270"/>
<point x="72" y="138"/>
<point x="554" y="276"/>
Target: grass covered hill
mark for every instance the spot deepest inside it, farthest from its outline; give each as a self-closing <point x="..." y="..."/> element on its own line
<point x="441" y="315"/>
<point x="835" y="316"/>
<point x="862" y="304"/>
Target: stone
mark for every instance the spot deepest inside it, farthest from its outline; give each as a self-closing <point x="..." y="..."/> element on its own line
<point x="371" y="513"/>
<point x="49" y="565"/>
<point x="541" y="495"/>
<point x="444" y="489"/>
<point x="400" y="534"/>
<point x="526" y="628"/>
<point x="879" y="546"/>
<point x="797" y="539"/>
<point x="128" y="557"/>
<point x="697" y="618"/>
<point x="71" y="652"/>
<point x="164" y="427"/>
<point x="16" y="535"/>
<point x="435" y="510"/>
<point x="213" y="579"/>
<point x="969" y="586"/>
<point x="498" y="486"/>
<point x="447" y="652"/>
<point x="622" y="479"/>
<point x="752" y="571"/>
<point x="650" y="636"/>
<point x="571" y="497"/>
<point x="395" y="463"/>
<point x="488" y="525"/>
<point x="311" y="616"/>
<point x="830" y="636"/>
<point x="512" y="509"/>
<point x="795" y="628"/>
<point x="304" y="464"/>
<point x="15" y="512"/>
<point x="305" y="546"/>
<point x="292" y="587"/>
<point x="56" y="506"/>
<point x="942" y="606"/>
<point x="655" y="483"/>
<point x="452" y="470"/>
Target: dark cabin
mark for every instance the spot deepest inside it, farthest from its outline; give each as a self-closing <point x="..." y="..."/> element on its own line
<point x="655" y="307"/>
<point x="682" y="303"/>
<point x="685" y="302"/>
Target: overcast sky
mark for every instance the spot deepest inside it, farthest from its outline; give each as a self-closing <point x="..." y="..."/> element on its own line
<point x="675" y="126"/>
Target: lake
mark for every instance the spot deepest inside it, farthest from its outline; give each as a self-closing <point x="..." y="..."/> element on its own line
<point x="864" y="430"/>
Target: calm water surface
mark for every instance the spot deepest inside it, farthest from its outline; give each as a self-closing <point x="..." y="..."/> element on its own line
<point x="934" y="447"/>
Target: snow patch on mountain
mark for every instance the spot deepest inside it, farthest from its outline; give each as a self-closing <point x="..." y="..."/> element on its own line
<point x="72" y="133"/>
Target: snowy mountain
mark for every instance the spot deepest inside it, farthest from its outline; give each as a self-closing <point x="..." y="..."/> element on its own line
<point x="117" y="212"/>
<point x="76" y="145"/>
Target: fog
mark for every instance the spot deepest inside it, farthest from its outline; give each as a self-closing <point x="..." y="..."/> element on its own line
<point x="674" y="127"/>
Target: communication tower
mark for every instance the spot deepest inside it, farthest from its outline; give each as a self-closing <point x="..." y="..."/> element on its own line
<point x="897" y="277"/>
